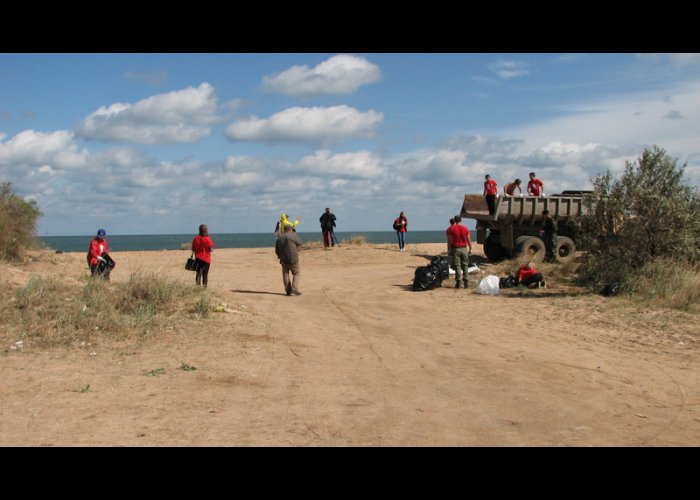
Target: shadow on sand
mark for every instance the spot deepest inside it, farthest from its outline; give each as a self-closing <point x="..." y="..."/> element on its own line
<point x="259" y="292"/>
<point x="541" y="294"/>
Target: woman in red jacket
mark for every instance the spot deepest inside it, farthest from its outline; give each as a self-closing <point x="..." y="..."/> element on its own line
<point x="202" y="246"/>
<point x="529" y="276"/>
<point x="98" y="256"/>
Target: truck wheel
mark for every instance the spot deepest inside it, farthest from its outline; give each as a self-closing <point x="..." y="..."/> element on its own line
<point x="518" y="243"/>
<point x="565" y="250"/>
<point x="493" y="249"/>
<point x="530" y="248"/>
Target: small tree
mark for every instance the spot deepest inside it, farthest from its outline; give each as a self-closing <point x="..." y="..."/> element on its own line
<point x="18" y="219"/>
<point x="649" y="212"/>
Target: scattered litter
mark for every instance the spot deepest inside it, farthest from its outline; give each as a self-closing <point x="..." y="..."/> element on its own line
<point x="641" y="416"/>
<point x="19" y="342"/>
<point x="488" y="286"/>
<point x="223" y="307"/>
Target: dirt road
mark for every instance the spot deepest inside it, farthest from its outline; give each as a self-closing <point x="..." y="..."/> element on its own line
<point x="359" y="360"/>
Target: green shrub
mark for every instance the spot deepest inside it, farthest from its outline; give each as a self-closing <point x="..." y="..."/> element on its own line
<point x="18" y="219"/>
<point x="649" y="213"/>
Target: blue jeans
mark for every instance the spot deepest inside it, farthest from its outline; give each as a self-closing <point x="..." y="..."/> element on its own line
<point x="402" y="237"/>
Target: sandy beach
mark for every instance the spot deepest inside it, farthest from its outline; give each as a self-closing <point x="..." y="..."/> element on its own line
<point x="359" y="360"/>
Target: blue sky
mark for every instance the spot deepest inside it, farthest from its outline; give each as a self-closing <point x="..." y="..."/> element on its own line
<point x="159" y="143"/>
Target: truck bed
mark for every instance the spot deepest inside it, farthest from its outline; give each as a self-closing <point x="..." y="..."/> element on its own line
<point x="525" y="210"/>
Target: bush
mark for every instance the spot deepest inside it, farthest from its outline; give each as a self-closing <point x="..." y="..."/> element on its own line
<point x="18" y="219"/>
<point x="648" y="213"/>
<point x="52" y="313"/>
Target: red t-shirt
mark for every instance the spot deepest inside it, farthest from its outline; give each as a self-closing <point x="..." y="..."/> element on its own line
<point x="534" y="187"/>
<point x="201" y="246"/>
<point x="524" y="272"/>
<point x="458" y="236"/>
<point x="398" y="221"/>
<point x="490" y="187"/>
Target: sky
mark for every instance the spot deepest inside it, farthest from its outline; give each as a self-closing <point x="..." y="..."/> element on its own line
<point x="140" y="143"/>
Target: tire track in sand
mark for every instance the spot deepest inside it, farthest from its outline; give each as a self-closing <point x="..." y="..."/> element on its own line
<point x="356" y="325"/>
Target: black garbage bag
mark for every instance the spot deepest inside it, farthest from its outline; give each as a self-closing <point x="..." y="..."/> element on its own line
<point x="426" y="278"/>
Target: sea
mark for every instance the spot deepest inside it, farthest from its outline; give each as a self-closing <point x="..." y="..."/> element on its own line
<point x="127" y="243"/>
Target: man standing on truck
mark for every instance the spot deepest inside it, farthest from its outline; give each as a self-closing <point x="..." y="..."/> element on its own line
<point x="535" y="187"/>
<point x="490" y="193"/>
<point x="509" y="189"/>
<point x="458" y="238"/>
<point x="549" y="235"/>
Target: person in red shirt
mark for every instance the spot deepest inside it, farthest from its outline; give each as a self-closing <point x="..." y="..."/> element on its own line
<point x="458" y="238"/>
<point x="535" y="186"/>
<point x="98" y="256"/>
<point x="528" y="275"/>
<point x="401" y="227"/>
<point x="450" y="253"/>
<point x="490" y="193"/>
<point x="202" y="246"/>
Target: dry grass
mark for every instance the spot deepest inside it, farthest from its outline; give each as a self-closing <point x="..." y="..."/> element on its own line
<point x="666" y="283"/>
<point x="357" y="239"/>
<point x="49" y="313"/>
<point x="555" y="273"/>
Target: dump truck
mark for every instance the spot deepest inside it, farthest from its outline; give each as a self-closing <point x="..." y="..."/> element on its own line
<point x="514" y="229"/>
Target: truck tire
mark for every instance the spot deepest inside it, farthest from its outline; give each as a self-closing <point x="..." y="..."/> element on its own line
<point x="518" y="243"/>
<point x="530" y="248"/>
<point x="493" y="249"/>
<point x="565" y="250"/>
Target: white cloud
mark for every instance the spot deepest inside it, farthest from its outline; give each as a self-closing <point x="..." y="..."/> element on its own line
<point x="29" y="148"/>
<point x="339" y="75"/>
<point x="509" y="69"/>
<point x="627" y="122"/>
<point x="173" y="117"/>
<point x="362" y="164"/>
<point x="317" y="125"/>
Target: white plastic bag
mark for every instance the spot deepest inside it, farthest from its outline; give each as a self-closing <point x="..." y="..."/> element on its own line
<point x="488" y="286"/>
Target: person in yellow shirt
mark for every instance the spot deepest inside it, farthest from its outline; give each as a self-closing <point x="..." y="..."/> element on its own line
<point x="284" y="222"/>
